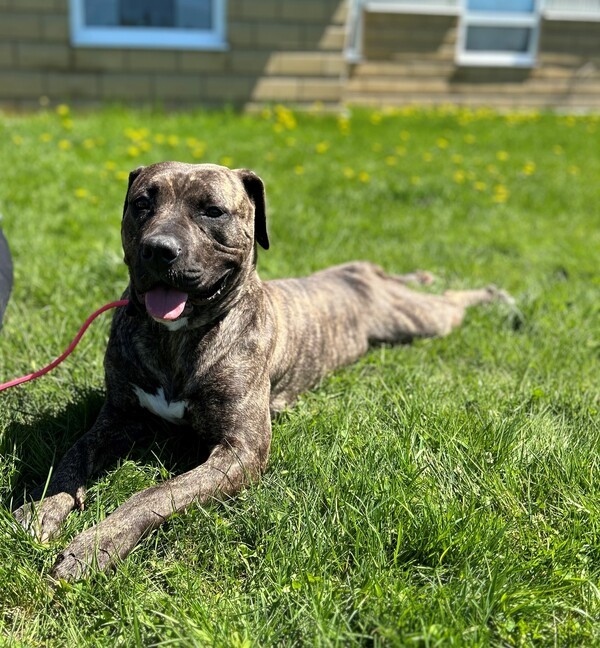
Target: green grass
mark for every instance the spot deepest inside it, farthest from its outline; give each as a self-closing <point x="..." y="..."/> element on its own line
<point x="442" y="493"/>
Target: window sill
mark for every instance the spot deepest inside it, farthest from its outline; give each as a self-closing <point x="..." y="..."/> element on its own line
<point x="148" y="39"/>
<point x="491" y="59"/>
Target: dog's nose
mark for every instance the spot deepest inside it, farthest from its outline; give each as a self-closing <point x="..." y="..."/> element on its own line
<point x="160" y="251"/>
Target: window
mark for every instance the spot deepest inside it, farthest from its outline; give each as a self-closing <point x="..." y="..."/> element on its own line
<point x="498" y="32"/>
<point x="175" y="24"/>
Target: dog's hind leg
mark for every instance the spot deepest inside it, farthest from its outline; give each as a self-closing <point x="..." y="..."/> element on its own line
<point x="399" y="314"/>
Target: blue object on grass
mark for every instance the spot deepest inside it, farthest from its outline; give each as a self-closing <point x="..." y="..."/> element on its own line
<point x="6" y="275"/>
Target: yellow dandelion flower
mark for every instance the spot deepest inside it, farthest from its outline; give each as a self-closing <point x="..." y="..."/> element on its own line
<point x="122" y="175"/>
<point x="81" y="193"/>
<point x="557" y="149"/>
<point x="298" y="169"/>
<point x="390" y="160"/>
<point x="529" y="168"/>
<point x="144" y="146"/>
<point x="136" y="134"/>
<point x="404" y="135"/>
<point x="400" y="150"/>
<point x="459" y="176"/>
<point x="109" y="165"/>
<point x="574" y="170"/>
<point x="89" y="143"/>
<point x="285" y="118"/>
<point x="133" y="151"/>
<point x="501" y="194"/>
<point x="226" y="160"/>
<point x="64" y="144"/>
<point x="67" y="124"/>
<point x="376" y="118"/>
<point x="415" y="180"/>
<point x="63" y="110"/>
<point x="343" y="124"/>
<point x="199" y="152"/>
<point x="363" y="176"/>
<point x="173" y="140"/>
<point x="427" y="156"/>
<point x="17" y="140"/>
<point x="502" y="156"/>
<point x="45" y="137"/>
<point x="348" y="172"/>
<point x="442" y="143"/>
<point x="479" y="186"/>
<point x="322" y="147"/>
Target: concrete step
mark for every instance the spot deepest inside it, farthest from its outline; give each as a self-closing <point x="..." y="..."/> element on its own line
<point x="554" y="102"/>
<point x="558" y="69"/>
<point x="296" y="89"/>
<point x="389" y="86"/>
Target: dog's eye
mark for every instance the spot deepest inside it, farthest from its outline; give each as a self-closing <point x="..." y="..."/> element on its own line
<point x="142" y="204"/>
<point x="214" y="212"/>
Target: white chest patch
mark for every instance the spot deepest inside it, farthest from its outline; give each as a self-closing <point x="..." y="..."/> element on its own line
<point x="174" y="325"/>
<point x="172" y="411"/>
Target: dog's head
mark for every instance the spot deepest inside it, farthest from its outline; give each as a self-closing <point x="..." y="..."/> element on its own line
<point x="189" y="236"/>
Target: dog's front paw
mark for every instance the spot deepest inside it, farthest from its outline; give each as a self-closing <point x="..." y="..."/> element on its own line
<point x="87" y="553"/>
<point x="44" y="519"/>
<point x="96" y="549"/>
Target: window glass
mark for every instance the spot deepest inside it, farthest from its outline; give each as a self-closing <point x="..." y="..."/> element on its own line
<point x="179" y="14"/>
<point x="498" y="39"/>
<point x="502" y="6"/>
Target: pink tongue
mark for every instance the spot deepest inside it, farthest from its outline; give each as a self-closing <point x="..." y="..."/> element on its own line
<point x="165" y="303"/>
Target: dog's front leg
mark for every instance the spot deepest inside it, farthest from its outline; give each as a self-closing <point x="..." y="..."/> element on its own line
<point x="48" y="507"/>
<point x="230" y="466"/>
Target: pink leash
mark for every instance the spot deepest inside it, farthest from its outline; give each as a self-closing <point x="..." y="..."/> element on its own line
<point x="68" y="351"/>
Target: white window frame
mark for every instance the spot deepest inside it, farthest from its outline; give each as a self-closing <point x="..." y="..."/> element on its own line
<point x="83" y="35"/>
<point x="586" y="10"/>
<point x="358" y="8"/>
<point x="470" y="18"/>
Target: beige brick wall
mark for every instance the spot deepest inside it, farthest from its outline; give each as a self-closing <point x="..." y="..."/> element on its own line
<point x="291" y="51"/>
<point x="272" y="44"/>
<point x="411" y="59"/>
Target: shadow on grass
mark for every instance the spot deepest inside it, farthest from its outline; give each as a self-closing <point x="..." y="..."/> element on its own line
<point x="37" y="444"/>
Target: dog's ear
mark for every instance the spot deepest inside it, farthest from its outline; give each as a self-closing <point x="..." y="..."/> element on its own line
<point x="132" y="176"/>
<point x="255" y="189"/>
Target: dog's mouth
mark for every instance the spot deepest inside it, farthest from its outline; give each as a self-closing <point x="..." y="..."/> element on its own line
<point x="167" y="303"/>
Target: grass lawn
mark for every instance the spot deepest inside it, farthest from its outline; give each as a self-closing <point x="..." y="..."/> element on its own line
<point x="445" y="492"/>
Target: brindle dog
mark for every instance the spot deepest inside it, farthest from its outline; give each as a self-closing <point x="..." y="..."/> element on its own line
<point x="207" y="344"/>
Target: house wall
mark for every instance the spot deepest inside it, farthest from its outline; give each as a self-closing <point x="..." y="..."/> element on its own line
<point x="410" y="59"/>
<point x="290" y="51"/>
<point x="279" y="50"/>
